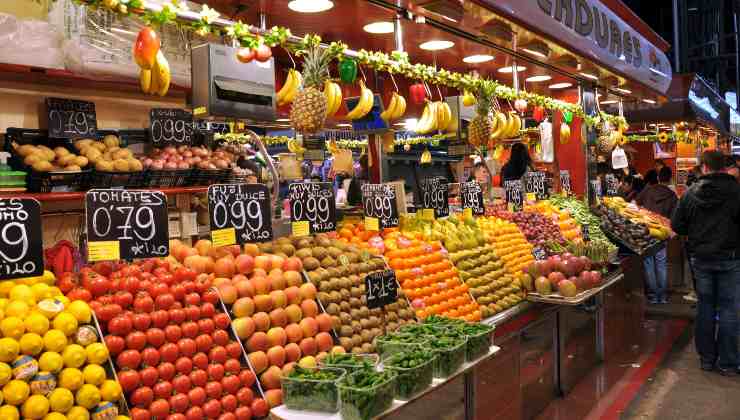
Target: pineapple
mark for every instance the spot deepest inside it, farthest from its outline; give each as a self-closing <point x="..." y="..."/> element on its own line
<point x="480" y="126"/>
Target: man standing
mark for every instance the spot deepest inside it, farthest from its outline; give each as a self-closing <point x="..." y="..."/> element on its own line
<point x="709" y="214"/>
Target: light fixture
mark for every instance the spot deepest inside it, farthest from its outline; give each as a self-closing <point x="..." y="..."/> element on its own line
<point x="344" y="125"/>
<point x="410" y="123"/>
<point x="379" y="27"/>
<point x="510" y="69"/>
<point x="538" y="78"/>
<point x="477" y="58"/>
<point x="282" y="119"/>
<point x="588" y="75"/>
<point x="609" y="102"/>
<point x="536" y="48"/>
<point x="623" y="90"/>
<point x="649" y="101"/>
<point x="310" y="6"/>
<point x="561" y="85"/>
<point x="436" y="45"/>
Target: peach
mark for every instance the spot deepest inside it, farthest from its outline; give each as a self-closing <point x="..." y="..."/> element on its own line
<point x="276" y="356"/>
<point x="244" y="327"/>
<point x="275" y="272"/>
<point x="263" y="262"/>
<point x="308" y="346"/>
<point x="261" y="285"/>
<point x="261" y="321"/>
<point x="235" y="250"/>
<point x="220" y="252"/>
<point x="292" y="264"/>
<point x="293" y="278"/>
<point x="308" y="291"/>
<point x="209" y="264"/>
<point x="294" y="333"/>
<point x="338" y="350"/>
<point x="294" y="313"/>
<point x="324" y="341"/>
<point x="196" y="263"/>
<point x="277" y="281"/>
<point x="259" y="361"/>
<point x="244" y="263"/>
<point x="278" y="317"/>
<point x="292" y="352"/>
<point x="276" y="262"/>
<point x="252" y="250"/>
<point x="245" y="307"/>
<point x="263" y="303"/>
<point x="293" y="294"/>
<point x="325" y="322"/>
<point x="309" y="308"/>
<point x="274" y="397"/>
<point x="307" y="362"/>
<point x="309" y="326"/>
<point x="244" y="288"/>
<point x="270" y="379"/>
<point x="259" y="272"/>
<point x="228" y="293"/>
<point x="321" y="356"/>
<point x="279" y="299"/>
<point x="218" y="281"/>
<point x="276" y="337"/>
<point x="203" y="246"/>
<point x="287" y="368"/>
<point x="258" y="342"/>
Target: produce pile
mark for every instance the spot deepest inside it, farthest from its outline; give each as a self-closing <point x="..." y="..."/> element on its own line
<point x="108" y="156"/>
<point x="537" y="228"/>
<point x="567" y="275"/>
<point x="634" y="234"/>
<point x="580" y="212"/>
<point x="569" y="228"/>
<point x="188" y="157"/>
<point x="658" y="226"/>
<point x="509" y="241"/>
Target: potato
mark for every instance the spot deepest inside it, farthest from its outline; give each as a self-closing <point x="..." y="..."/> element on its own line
<point x="92" y="154"/>
<point x="81" y="161"/>
<point x="110" y="140"/>
<point x="112" y="150"/>
<point x="42" y="166"/>
<point x="30" y="160"/>
<point x="120" y="165"/>
<point x="81" y="144"/>
<point x="104" y="166"/>
<point x="107" y="156"/>
<point x="121" y="154"/>
<point x="27" y="150"/>
<point x="72" y="168"/>
<point x="61" y="152"/>
<point x="135" y="165"/>
<point x="66" y="160"/>
<point x="98" y="145"/>
<point x="48" y="153"/>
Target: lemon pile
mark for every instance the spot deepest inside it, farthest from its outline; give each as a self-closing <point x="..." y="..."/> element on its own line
<point x="51" y="360"/>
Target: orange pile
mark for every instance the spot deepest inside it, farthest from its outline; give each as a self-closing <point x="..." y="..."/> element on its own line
<point x="511" y="245"/>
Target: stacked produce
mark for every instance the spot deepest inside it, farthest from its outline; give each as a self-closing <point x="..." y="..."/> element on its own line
<point x="633" y="233"/>
<point x="567" y="275"/>
<point x="580" y="212"/>
<point x="188" y="157"/>
<point x="659" y="227"/>
<point x="537" y="228"/>
<point x="569" y="228"/>
<point x="312" y="389"/>
<point x="597" y="251"/>
<point x="108" y="156"/>
<point x="509" y="241"/>
<point x="52" y="363"/>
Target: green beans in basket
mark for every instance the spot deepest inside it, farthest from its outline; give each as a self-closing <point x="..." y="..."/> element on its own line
<point x="415" y="369"/>
<point x="392" y="343"/>
<point x="312" y="389"/>
<point x="449" y="346"/>
<point x="350" y="361"/>
<point x="479" y="340"/>
<point x="366" y="393"/>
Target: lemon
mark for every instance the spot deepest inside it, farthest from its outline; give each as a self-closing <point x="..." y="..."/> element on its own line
<point x="17" y="308"/>
<point x="96" y="353"/>
<point x="122" y="418"/>
<point x="94" y="374"/>
<point x="5" y="287"/>
<point x="55" y="340"/>
<point x="71" y="379"/>
<point x="55" y="416"/>
<point x="61" y="400"/>
<point x="48" y="278"/>
<point x="88" y="396"/>
<point x="22" y="293"/>
<point x="41" y="291"/>
<point x="63" y="299"/>
<point x="4" y="303"/>
<point x="8" y="412"/>
<point x="54" y="291"/>
<point x="51" y="361"/>
<point x="35" y="407"/>
<point x="80" y="310"/>
<point x="15" y="392"/>
<point x="50" y="307"/>
<point x="9" y="349"/>
<point x="74" y="356"/>
<point x="78" y="413"/>
<point x="12" y="326"/>
<point x="111" y="390"/>
<point x="5" y="373"/>
<point x="66" y="323"/>
<point x="36" y="323"/>
<point x="31" y="344"/>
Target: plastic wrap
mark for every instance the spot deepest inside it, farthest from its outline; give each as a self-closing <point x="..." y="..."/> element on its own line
<point x="30" y="42"/>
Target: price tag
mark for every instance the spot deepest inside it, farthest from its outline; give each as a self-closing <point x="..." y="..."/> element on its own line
<point x="137" y="220"/>
<point x="472" y="198"/>
<point x="103" y="251"/>
<point x="381" y="289"/>
<point x="21" y="244"/>
<point x="379" y="202"/>
<point x="514" y="193"/>
<point x="245" y="208"/>
<point x="372" y="224"/>
<point x="314" y="203"/>
<point x="435" y="195"/>
<point x="70" y="118"/>
<point x="565" y="182"/>
<point x="223" y="237"/>
<point x="301" y="228"/>
<point x="170" y="126"/>
<point x="427" y="214"/>
<point x="535" y="182"/>
<point x="596" y="189"/>
<point x="584" y="233"/>
<point x="539" y="253"/>
<point x="612" y="185"/>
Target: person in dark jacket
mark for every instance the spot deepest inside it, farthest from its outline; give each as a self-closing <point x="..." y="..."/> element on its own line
<point x="354" y="193"/>
<point x="658" y="198"/>
<point x="519" y="163"/>
<point x="709" y="214"/>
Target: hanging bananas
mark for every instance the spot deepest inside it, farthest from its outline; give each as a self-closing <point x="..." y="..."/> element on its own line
<point x="426" y="157"/>
<point x="294" y="146"/>
<point x="436" y="116"/>
<point x="364" y="105"/>
<point x="333" y="95"/>
<point x="156" y="81"/>
<point x="507" y="126"/>
<point x="290" y="89"/>
<point x="396" y="108"/>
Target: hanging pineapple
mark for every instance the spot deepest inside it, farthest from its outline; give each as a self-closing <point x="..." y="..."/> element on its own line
<point x="479" y="130"/>
<point x="308" y="114"/>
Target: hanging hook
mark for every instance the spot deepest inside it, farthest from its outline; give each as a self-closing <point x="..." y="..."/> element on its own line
<point x="393" y="79"/>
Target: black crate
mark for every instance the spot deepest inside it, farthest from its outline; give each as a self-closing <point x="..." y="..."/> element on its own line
<point x="163" y="178"/>
<point x="99" y="179"/>
<point x="210" y="176"/>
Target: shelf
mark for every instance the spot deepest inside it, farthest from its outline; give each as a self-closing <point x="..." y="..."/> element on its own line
<point x="79" y="196"/>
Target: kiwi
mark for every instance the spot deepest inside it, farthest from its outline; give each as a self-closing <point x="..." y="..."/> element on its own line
<point x="327" y="262"/>
<point x="324" y="286"/>
<point x="355" y="292"/>
<point x="355" y="302"/>
<point x="345" y="294"/>
<point x="287" y="249"/>
<point x="345" y="317"/>
<point x="319" y="252"/>
<point x="346" y="331"/>
<point x="345" y="306"/>
<point x="303" y="253"/>
<point x="303" y="243"/>
<point x="357" y="340"/>
<point x="357" y="350"/>
<point x="365" y="323"/>
<point x="323" y="240"/>
<point x="334" y="252"/>
<point x="364" y="312"/>
<point x="266" y="247"/>
<point x="336" y="297"/>
<point x="336" y="323"/>
<point x="368" y="348"/>
<point x="332" y="309"/>
<point x="311" y="263"/>
<point x="355" y="313"/>
<point x="346" y="342"/>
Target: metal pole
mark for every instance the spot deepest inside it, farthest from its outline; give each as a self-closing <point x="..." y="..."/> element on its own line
<point x="398" y="32"/>
<point x="676" y="54"/>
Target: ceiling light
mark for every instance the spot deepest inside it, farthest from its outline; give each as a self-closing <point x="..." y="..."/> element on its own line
<point x="649" y="101"/>
<point x="510" y="69"/>
<point x="282" y="119"/>
<point x="623" y="90"/>
<point x="609" y="102"/>
<point x="379" y="28"/>
<point x="436" y="45"/>
<point x="536" y="48"/>
<point x="344" y="125"/>
<point x="540" y="78"/>
<point x="561" y="85"/>
<point x="589" y="75"/>
<point x="477" y="58"/>
<point x="310" y="6"/>
<point x="410" y="123"/>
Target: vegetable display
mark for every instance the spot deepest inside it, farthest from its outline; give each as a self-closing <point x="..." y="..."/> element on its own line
<point x="312" y="389"/>
<point x="449" y="348"/>
<point x="350" y="362"/>
<point x="366" y="393"/>
<point x="580" y="211"/>
<point x="479" y="340"/>
<point x="415" y="369"/>
<point x="389" y="344"/>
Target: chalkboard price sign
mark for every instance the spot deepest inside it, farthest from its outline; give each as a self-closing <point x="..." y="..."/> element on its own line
<point x="245" y="208"/>
<point x="535" y="183"/>
<point x="435" y="195"/>
<point x="612" y="185"/>
<point x="379" y="201"/>
<point x="126" y="224"/>
<point x="514" y="193"/>
<point x="314" y="203"/>
<point x="170" y="126"/>
<point x="381" y="289"/>
<point x="70" y="118"/>
<point x="539" y="253"/>
<point x="21" y="247"/>
<point x="596" y="189"/>
<point x="565" y="182"/>
<point x="472" y="197"/>
<point x="584" y="233"/>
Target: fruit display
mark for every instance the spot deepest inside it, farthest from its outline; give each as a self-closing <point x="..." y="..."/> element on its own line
<point x="366" y="393"/>
<point x="395" y="109"/>
<point x="312" y="389"/>
<point x="537" y="228"/>
<point x="414" y="369"/>
<point x="436" y="116"/>
<point x="52" y="361"/>
<point x="634" y="234"/>
<point x="580" y="212"/>
<point x="598" y="252"/>
<point x="44" y="159"/>
<point x="108" y="156"/>
<point x="569" y="227"/>
<point x="188" y="157"/>
<point x="154" y="74"/>
<point x="566" y="275"/>
<point x="509" y="241"/>
<point x="478" y="336"/>
<point x="659" y="227"/>
<point x="448" y="344"/>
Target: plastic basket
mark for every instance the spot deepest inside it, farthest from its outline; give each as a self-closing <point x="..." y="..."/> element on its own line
<point x="411" y="381"/>
<point x="100" y="179"/>
<point x="311" y="394"/>
<point x="154" y="178"/>
<point x="209" y="176"/>
<point x="366" y="403"/>
<point x="449" y="359"/>
<point x="358" y="361"/>
<point x="479" y="344"/>
<point x="387" y="345"/>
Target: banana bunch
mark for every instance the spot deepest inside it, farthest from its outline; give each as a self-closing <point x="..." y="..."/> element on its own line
<point x="333" y="95"/>
<point x="332" y="147"/>
<point x="468" y="99"/>
<point x="288" y="92"/>
<point x="506" y="126"/>
<point x="426" y="157"/>
<point x="296" y="147"/>
<point x="364" y="105"/>
<point x="436" y="116"/>
<point x="396" y="108"/>
<point x="156" y="81"/>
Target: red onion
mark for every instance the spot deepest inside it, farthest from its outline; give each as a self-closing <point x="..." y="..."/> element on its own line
<point x="170" y="166"/>
<point x="183" y="165"/>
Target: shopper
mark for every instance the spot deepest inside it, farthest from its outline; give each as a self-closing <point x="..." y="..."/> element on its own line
<point x="354" y="192"/>
<point x="660" y="199"/>
<point x="731" y="167"/>
<point x="519" y="163"/>
<point x="482" y="175"/>
<point x="709" y="214"/>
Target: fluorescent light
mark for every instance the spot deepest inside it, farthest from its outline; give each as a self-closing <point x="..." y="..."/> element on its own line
<point x="344" y="125"/>
<point x="609" y="102"/>
<point x="649" y="101"/>
<point x="589" y="75"/>
<point x="379" y="28"/>
<point x="561" y="85"/>
<point x="282" y="119"/>
<point x="310" y="6"/>
<point x="510" y="69"/>
<point x="477" y="58"/>
<point x="436" y="45"/>
<point x="536" y="48"/>
<point x="400" y="124"/>
<point x="410" y="123"/>
<point x="540" y="78"/>
<point x="623" y="90"/>
<point x="658" y="72"/>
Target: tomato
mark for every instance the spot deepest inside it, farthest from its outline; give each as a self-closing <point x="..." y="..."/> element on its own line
<point x="136" y="340"/>
<point x="143" y="303"/>
<point x="210" y="296"/>
<point x="169" y="352"/>
<point x="164" y="301"/>
<point x="128" y="359"/>
<point x="108" y="312"/>
<point x="183" y="274"/>
<point x="206" y="326"/>
<point x="120" y="325"/>
<point x="115" y="344"/>
<point x="192" y="312"/>
<point x="99" y="286"/>
<point x="160" y="262"/>
<point x="155" y="337"/>
<point x="105" y="299"/>
<point x="197" y="396"/>
<point x="144" y="285"/>
<point x="157" y="289"/>
<point x="222" y="321"/>
<point x="190" y="329"/>
<point x="192" y="299"/>
<point x="160" y="271"/>
<point x="204" y="343"/>
<point x="160" y="318"/>
<point x="245" y="395"/>
<point x="228" y="402"/>
<point x="140" y="414"/>
<point x="214" y="389"/>
<point x="227" y="416"/>
<point x="163" y="389"/>
<point x="220" y="337"/>
<point x="184" y="365"/>
<point x="179" y="403"/>
<point x="202" y="284"/>
<point x="67" y="282"/>
<point x="247" y="377"/>
<point x="194" y="413"/>
<point x="146" y="266"/>
<point x="182" y="383"/>
<point x="149" y="376"/>
<point x="262" y="53"/>
<point x="212" y="409"/>
<point x="166" y="371"/>
<point x="207" y="310"/>
<point x="217" y="354"/>
<point x="230" y="384"/>
<point x="177" y="316"/>
<point x="160" y="409"/>
<point x="123" y="299"/>
<point x="200" y="360"/>
<point x="178" y="291"/>
<point x="234" y="350"/>
<point x="215" y="372"/>
<point x="186" y="346"/>
<point x="142" y="397"/>
<point x="150" y="356"/>
<point x="129" y="380"/>
<point x="167" y="279"/>
<point x="232" y="366"/>
<point x="259" y="407"/>
<point x="199" y="377"/>
<point x="190" y="287"/>
<point x="80" y="294"/>
<point x="173" y="333"/>
<point x="176" y="416"/>
<point x="243" y="413"/>
<point x="142" y="321"/>
<point x="94" y="305"/>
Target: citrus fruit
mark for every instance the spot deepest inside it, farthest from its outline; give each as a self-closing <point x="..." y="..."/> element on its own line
<point x="36" y="323"/>
<point x="41" y="291"/>
<point x="55" y="340"/>
<point x="51" y="361"/>
<point x="5" y="373"/>
<point x="4" y="303"/>
<point x="35" y="407"/>
<point x="88" y="396"/>
<point x="74" y="356"/>
<point x="61" y="400"/>
<point x="94" y="374"/>
<point x="55" y="416"/>
<point x="23" y="293"/>
<point x="12" y="326"/>
<point x="5" y="287"/>
<point x="31" y="344"/>
<point x="63" y="299"/>
<point x="71" y="378"/>
<point x="48" y="278"/>
<point x="15" y="392"/>
<point x="110" y="390"/>
<point x="96" y="353"/>
<point x="54" y="291"/>
<point x="9" y="349"/>
<point x="8" y="412"/>
<point x="78" y="413"/>
<point x="65" y="322"/>
<point x="17" y="308"/>
<point x="50" y="307"/>
<point x="80" y="310"/>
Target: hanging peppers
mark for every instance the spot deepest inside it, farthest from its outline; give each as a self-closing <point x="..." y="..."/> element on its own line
<point x="538" y="113"/>
<point x="348" y="70"/>
<point x="418" y="93"/>
<point x="568" y="117"/>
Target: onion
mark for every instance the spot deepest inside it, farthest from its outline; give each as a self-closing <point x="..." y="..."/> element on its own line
<point x="221" y="164"/>
<point x="170" y="166"/>
<point x="147" y="162"/>
<point x="212" y="167"/>
<point x="196" y="159"/>
<point x="187" y="153"/>
<point x="182" y="148"/>
<point x="183" y="165"/>
<point x="157" y="165"/>
<point x="189" y="161"/>
<point x="170" y="150"/>
<point x="203" y="165"/>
